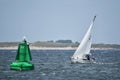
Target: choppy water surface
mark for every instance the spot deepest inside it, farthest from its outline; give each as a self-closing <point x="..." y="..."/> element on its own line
<point x="55" y="65"/>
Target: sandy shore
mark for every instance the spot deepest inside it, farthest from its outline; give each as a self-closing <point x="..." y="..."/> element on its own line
<point x="52" y="48"/>
<point x="40" y="48"/>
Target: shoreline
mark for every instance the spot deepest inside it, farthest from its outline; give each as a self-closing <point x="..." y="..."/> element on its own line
<point x="39" y="48"/>
<point x="53" y="48"/>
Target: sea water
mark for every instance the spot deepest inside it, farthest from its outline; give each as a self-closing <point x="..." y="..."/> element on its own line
<point x="56" y="65"/>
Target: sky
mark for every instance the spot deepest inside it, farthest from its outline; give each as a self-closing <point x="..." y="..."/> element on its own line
<point x="44" y="20"/>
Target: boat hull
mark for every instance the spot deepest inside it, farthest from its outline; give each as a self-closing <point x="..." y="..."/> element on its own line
<point x="81" y="61"/>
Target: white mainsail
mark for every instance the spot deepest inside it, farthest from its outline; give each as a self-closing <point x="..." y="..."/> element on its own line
<point x="85" y="46"/>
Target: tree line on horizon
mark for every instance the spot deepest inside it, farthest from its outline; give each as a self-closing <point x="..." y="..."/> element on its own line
<point x="58" y="43"/>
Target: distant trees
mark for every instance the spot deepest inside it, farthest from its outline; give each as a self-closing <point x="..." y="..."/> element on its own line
<point x="77" y="43"/>
<point x="64" y="41"/>
<point x="50" y="41"/>
<point x="59" y="43"/>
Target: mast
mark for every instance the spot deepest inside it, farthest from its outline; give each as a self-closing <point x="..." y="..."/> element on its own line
<point x="94" y="18"/>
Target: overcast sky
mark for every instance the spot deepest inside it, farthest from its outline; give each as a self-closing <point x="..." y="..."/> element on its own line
<point x="43" y="20"/>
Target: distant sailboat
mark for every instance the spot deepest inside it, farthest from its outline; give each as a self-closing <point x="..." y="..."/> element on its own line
<point x="82" y="54"/>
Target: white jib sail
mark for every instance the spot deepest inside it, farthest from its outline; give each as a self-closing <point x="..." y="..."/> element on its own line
<point x="85" y="45"/>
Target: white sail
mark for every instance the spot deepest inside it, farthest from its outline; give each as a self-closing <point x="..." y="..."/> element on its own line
<point x="85" y="46"/>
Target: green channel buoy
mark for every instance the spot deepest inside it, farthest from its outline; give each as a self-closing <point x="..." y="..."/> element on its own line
<point x="22" y="58"/>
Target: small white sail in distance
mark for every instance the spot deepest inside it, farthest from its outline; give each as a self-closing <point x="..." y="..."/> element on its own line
<point x="85" y="45"/>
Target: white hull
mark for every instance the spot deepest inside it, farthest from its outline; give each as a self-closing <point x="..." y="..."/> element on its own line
<point x="80" y="61"/>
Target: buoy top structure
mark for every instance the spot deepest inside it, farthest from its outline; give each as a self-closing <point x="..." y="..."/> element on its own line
<point x="23" y="52"/>
<point x="23" y="57"/>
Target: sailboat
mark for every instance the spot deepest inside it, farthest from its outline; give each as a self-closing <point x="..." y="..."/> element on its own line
<point x="82" y="54"/>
